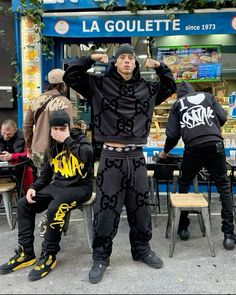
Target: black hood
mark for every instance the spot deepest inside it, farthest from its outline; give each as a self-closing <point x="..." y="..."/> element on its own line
<point x="184" y="88"/>
<point x="78" y="135"/>
<point x="112" y="72"/>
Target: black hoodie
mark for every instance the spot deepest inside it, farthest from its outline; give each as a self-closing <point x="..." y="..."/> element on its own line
<point x="122" y="109"/>
<point x="64" y="172"/>
<point x="196" y="117"/>
<point x="15" y="145"/>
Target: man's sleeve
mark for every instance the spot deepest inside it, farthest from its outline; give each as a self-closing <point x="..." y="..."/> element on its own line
<point x="167" y="83"/>
<point x="28" y="125"/>
<point x="81" y="148"/>
<point x="16" y="155"/>
<point x="77" y="78"/>
<point x="45" y="177"/>
<point x="220" y="112"/>
<point x="172" y="130"/>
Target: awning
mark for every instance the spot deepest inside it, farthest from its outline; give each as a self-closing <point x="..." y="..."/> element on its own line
<point x="145" y="23"/>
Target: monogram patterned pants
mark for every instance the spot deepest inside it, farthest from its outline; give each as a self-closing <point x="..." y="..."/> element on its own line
<point x="121" y="180"/>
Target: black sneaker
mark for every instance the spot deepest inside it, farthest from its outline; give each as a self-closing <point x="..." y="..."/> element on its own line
<point x="96" y="272"/>
<point x="43" y="266"/>
<point x="229" y="241"/>
<point x="152" y="260"/>
<point x="184" y="234"/>
<point x="18" y="261"/>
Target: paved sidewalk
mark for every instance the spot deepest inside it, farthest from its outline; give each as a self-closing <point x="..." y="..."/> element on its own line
<point x="192" y="270"/>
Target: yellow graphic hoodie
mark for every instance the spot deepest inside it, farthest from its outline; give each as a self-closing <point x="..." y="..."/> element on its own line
<point x="70" y="164"/>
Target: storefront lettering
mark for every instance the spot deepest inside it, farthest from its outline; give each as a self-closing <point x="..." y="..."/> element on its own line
<point x="133" y="25"/>
<point x="230" y="143"/>
<point x="203" y="27"/>
<point x="93" y="27"/>
<point x="192" y="28"/>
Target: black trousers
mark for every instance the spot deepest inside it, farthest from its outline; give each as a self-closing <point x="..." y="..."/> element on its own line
<point x="58" y="201"/>
<point x="121" y="180"/>
<point x="212" y="157"/>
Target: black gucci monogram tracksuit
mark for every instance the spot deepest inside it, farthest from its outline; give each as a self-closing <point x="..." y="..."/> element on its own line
<point x="122" y="113"/>
<point x="130" y="188"/>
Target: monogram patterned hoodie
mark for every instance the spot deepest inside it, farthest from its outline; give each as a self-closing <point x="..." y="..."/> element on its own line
<point x="122" y="109"/>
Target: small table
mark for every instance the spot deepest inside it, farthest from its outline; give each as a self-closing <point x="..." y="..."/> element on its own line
<point x="11" y="170"/>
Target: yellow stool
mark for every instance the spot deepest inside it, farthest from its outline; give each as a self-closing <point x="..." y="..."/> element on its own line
<point x="186" y="202"/>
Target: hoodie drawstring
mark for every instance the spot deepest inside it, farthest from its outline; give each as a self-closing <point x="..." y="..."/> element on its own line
<point x="130" y="175"/>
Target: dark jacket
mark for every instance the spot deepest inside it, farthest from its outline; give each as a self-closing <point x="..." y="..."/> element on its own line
<point x="122" y="109"/>
<point x="72" y="172"/>
<point x="196" y="117"/>
<point x="15" y="145"/>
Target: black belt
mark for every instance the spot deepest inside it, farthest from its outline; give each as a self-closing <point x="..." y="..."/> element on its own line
<point x="119" y="149"/>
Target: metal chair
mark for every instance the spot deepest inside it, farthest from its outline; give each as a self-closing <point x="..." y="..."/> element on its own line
<point x="87" y="211"/>
<point x="176" y="175"/>
<point x="8" y="192"/>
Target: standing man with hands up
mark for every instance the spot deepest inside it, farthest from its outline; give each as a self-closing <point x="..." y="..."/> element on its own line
<point x="123" y="104"/>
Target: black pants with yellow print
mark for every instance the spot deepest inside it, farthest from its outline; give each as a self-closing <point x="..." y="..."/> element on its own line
<point x="121" y="180"/>
<point x="57" y="201"/>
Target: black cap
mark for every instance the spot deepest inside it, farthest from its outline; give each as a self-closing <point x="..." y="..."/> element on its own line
<point x="125" y="48"/>
<point x="59" y="118"/>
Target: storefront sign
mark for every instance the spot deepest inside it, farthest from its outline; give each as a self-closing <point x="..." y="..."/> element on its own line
<point x="127" y="25"/>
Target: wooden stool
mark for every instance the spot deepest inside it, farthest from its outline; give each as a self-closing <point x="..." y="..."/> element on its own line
<point x="176" y="175"/>
<point x="87" y="210"/>
<point x="5" y="189"/>
<point x="186" y="202"/>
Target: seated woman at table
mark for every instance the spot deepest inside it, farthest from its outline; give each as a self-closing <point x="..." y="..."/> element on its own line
<point x="12" y="147"/>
